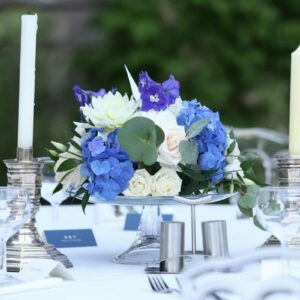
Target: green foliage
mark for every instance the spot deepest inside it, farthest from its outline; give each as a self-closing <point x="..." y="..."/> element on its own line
<point x="140" y="137"/>
<point x="235" y="55"/>
<point x="68" y="164"/>
<point x="196" y="127"/>
<point x="189" y="152"/>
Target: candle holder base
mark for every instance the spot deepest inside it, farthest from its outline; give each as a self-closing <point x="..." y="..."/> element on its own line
<point x="27" y="243"/>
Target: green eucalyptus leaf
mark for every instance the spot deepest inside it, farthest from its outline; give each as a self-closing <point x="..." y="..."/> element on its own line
<point x="246" y="165"/>
<point x="189" y="152"/>
<point x="160" y="136"/>
<point x="140" y="137"/>
<point x="68" y="164"/>
<point x="246" y="211"/>
<point x="193" y="172"/>
<point x="257" y="223"/>
<point x="249" y="199"/>
<point x="196" y="127"/>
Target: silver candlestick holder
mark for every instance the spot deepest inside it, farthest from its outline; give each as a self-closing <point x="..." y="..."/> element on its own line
<point x="288" y="174"/>
<point x="26" y="172"/>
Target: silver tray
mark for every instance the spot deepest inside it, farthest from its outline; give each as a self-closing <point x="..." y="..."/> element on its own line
<point x="163" y="200"/>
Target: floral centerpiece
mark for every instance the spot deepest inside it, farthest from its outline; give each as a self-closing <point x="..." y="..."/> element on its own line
<point x="150" y="143"/>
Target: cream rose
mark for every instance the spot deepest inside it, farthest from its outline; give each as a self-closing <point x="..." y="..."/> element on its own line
<point x="168" y="153"/>
<point x="140" y="184"/>
<point x="166" y="182"/>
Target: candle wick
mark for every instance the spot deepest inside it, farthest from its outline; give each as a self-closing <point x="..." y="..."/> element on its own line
<point x="29" y="12"/>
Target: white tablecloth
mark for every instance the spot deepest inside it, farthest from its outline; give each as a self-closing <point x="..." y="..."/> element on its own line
<point x="98" y="278"/>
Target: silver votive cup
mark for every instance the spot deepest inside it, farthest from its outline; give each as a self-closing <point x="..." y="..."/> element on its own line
<point x="171" y="247"/>
<point x="214" y="237"/>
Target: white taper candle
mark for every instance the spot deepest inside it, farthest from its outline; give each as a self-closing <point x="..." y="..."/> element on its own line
<point x="27" y="81"/>
<point x="294" y="134"/>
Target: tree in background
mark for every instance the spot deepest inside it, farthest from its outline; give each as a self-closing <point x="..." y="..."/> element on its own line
<point x="231" y="55"/>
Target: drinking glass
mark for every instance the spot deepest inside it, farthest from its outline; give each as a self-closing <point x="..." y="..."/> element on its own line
<point x="278" y="211"/>
<point x="14" y="211"/>
<point x="48" y="185"/>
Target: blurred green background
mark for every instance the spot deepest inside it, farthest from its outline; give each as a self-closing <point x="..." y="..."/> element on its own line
<point x="234" y="56"/>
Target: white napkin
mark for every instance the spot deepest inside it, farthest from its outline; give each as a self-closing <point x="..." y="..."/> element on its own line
<point x="37" y="269"/>
<point x="30" y="286"/>
<point x="37" y="274"/>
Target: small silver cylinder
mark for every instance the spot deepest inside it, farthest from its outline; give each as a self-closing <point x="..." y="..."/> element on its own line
<point x="171" y="247"/>
<point x="214" y="237"/>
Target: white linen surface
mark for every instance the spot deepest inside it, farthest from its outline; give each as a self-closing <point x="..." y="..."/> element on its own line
<point x="96" y="277"/>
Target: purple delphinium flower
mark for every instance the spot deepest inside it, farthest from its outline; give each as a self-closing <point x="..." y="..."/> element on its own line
<point x="106" y="165"/>
<point x="211" y="141"/>
<point x="85" y="97"/>
<point x="157" y="96"/>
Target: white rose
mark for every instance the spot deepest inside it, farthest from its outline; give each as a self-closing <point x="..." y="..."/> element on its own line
<point x="168" y="153"/>
<point x="139" y="184"/>
<point x="166" y="182"/>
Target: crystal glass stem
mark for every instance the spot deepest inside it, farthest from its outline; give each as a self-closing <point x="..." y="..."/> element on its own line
<point x="150" y="221"/>
<point x="2" y="258"/>
<point x="284" y="261"/>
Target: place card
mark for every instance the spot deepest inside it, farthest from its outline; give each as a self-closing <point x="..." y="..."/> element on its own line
<point x="133" y="220"/>
<point x="69" y="238"/>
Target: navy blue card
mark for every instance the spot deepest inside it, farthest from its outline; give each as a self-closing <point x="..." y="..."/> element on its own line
<point x="132" y="221"/>
<point x="71" y="238"/>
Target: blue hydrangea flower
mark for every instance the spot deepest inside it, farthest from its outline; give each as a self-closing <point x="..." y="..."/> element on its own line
<point x="157" y="96"/>
<point x="106" y="165"/>
<point x="212" y="140"/>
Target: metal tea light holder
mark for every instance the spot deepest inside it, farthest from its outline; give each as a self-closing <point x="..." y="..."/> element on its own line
<point x="288" y="174"/>
<point x="26" y="172"/>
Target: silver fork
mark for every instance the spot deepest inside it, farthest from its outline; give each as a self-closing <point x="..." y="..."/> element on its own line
<point x="158" y="285"/>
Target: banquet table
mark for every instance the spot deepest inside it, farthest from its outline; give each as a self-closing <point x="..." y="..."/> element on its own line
<point x="97" y="277"/>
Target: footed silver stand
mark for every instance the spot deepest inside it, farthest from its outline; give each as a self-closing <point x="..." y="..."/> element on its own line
<point x="26" y="244"/>
<point x="288" y="174"/>
<point x="145" y="249"/>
